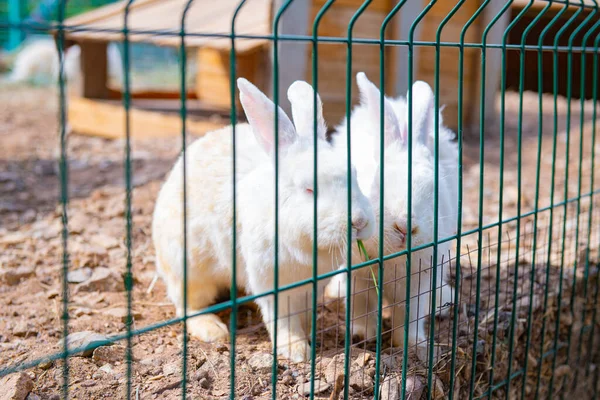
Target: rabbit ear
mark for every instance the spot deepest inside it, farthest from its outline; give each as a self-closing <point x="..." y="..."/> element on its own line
<point x="371" y="98"/>
<point x="260" y="112"/>
<point x="422" y="105"/>
<point x="301" y="96"/>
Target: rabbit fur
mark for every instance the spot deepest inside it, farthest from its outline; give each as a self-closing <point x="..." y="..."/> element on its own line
<point x="210" y="217"/>
<point x="365" y="151"/>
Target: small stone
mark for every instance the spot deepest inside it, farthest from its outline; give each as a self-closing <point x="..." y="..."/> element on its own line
<point x="88" y="339"/>
<point x="106" y="369"/>
<point x="287" y="380"/>
<point x="415" y="387"/>
<point x="221" y="348"/>
<point x="121" y="313"/>
<point x="24" y="329"/>
<point x="390" y="389"/>
<point x="480" y="347"/>
<point x="102" y="280"/>
<point x="80" y="311"/>
<point x="14" y="275"/>
<point x="79" y="275"/>
<point x="33" y="396"/>
<point x="262" y="362"/>
<point x="204" y="383"/>
<point x="46" y="364"/>
<point x="320" y="387"/>
<point x="45" y="167"/>
<point x="105" y="241"/>
<point x="13" y="238"/>
<point x="16" y="386"/>
<point x="108" y="354"/>
<point x="172" y="368"/>
<point x="362" y="359"/>
<point x="437" y="392"/>
<point x="52" y="294"/>
<point x="200" y="374"/>
<point x="88" y="383"/>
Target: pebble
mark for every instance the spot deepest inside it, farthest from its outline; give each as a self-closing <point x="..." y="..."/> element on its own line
<point x="14" y="275"/>
<point x="222" y="348"/>
<point x="102" y="280"/>
<point x="24" y="329"/>
<point x="200" y="374"/>
<point x="33" y="396"/>
<point x="90" y="340"/>
<point x="204" y="383"/>
<point x="121" y="313"/>
<point x="106" y="369"/>
<point x="320" y="387"/>
<point x="414" y="387"/>
<point x="437" y="392"/>
<point x="79" y="275"/>
<point x="109" y="354"/>
<point x="46" y="364"/>
<point x="16" y="386"/>
<point x="172" y="368"/>
<point x="262" y="362"/>
<point x="390" y="389"/>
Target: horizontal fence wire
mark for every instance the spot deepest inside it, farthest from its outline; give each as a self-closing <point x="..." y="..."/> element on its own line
<point x="523" y="259"/>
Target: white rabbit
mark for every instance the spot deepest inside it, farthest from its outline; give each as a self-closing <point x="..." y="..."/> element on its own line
<point x="365" y="150"/>
<point x="210" y="216"/>
<point x="38" y="60"/>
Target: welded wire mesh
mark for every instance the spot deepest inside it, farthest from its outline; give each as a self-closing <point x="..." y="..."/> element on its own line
<point x="523" y="261"/>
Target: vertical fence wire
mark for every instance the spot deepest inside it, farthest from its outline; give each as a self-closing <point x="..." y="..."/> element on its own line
<point x="592" y="182"/>
<point x="64" y="196"/>
<point x="579" y="170"/>
<point x="315" y="278"/>
<point x="128" y="188"/>
<point x="348" y="332"/>
<point x="183" y="115"/>
<point x="566" y="188"/>
<point x="552" y="181"/>
<point x="409" y="208"/>
<point x="234" y="265"/>
<point x="536" y="200"/>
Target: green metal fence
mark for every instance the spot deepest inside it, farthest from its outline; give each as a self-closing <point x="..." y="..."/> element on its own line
<point x="523" y="322"/>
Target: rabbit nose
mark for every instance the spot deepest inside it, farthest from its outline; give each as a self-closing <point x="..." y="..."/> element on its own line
<point x="359" y="221"/>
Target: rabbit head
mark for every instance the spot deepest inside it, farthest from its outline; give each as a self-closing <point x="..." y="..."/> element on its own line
<point x="296" y="147"/>
<point x="396" y="162"/>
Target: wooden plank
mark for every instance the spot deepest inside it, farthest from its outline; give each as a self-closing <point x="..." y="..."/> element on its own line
<point x="149" y="94"/>
<point x="94" y="70"/>
<point x="99" y="118"/>
<point x="213" y="83"/>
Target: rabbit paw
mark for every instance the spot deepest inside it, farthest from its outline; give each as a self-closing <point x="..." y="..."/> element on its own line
<point x="297" y="351"/>
<point x="208" y="328"/>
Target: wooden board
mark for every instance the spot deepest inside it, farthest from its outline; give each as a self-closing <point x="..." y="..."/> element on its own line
<point x="206" y="22"/>
<point x="213" y="76"/>
<point x="107" y="119"/>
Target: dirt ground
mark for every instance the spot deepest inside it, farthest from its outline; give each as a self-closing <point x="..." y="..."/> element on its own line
<point x="523" y="287"/>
